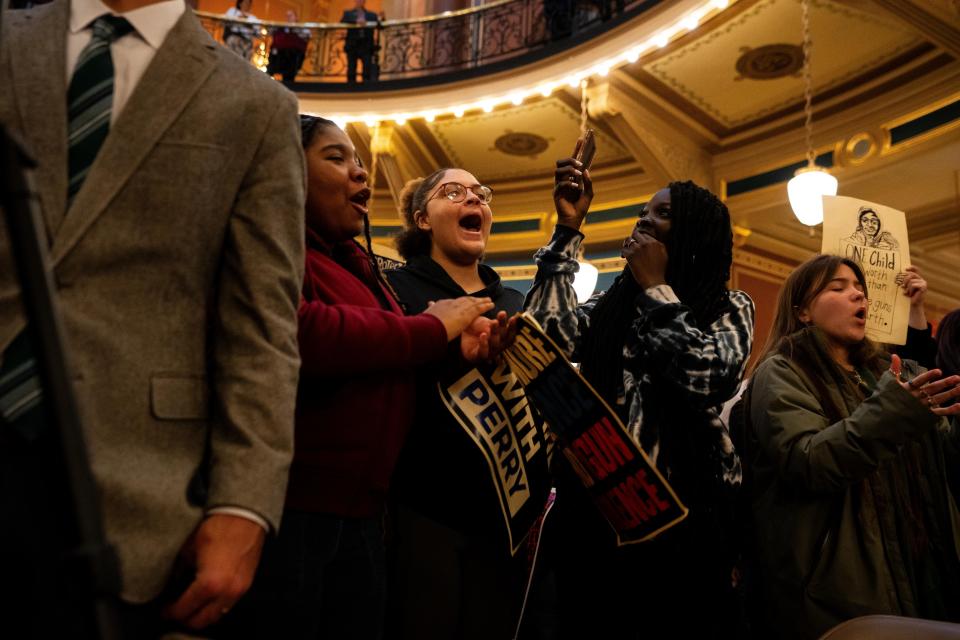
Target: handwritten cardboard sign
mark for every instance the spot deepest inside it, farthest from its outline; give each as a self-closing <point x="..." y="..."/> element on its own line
<point x="491" y="405"/>
<point x="875" y="236"/>
<point x="624" y="485"/>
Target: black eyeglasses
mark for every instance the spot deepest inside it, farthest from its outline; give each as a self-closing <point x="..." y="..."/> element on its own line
<point x="456" y="192"/>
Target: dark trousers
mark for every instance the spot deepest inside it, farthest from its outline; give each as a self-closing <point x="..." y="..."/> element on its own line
<point x="450" y="585"/>
<point x="286" y="62"/>
<point x="675" y="586"/>
<point x="47" y="595"/>
<point x="322" y="577"/>
<point x="559" y="16"/>
<point x="365" y="56"/>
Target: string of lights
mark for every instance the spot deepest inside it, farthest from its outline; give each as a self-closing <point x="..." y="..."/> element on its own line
<point x="659" y="40"/>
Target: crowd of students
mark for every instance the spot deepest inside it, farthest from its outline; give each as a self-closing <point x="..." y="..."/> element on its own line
<point x="835" y="502"/>
<point x="250" y="380"/>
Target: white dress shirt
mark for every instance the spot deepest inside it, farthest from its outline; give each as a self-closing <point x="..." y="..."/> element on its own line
<point x="132" y="54"/>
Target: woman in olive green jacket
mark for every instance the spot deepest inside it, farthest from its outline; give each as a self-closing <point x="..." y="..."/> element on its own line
<point x="851" y="510"/>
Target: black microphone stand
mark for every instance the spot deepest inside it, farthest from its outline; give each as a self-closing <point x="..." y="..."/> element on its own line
<point x="97" y="568"/>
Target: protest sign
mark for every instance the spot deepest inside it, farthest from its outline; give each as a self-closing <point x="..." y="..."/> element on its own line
<point x="874" y="236"/>
<point x="625" y="486"/>
<point x="490" y="404"/>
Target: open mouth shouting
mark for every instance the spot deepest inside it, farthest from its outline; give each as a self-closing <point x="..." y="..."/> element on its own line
<point x="472" y="223"/>
<point x="360" y="199"/>
<point x="861" y="315"/>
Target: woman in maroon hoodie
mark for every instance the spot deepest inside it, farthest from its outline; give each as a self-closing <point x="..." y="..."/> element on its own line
<point x="322" y="576"/>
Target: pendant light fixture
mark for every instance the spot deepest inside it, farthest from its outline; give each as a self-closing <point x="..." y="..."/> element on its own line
<point x="585" y="279"/>
<point x="809" y="184"/>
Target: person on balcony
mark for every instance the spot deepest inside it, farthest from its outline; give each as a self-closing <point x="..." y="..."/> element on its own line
<point x="360" y="43"/>
<point x="664" y="346"/>
<point x="288" y="49"/>
<point x="238" y="37"/>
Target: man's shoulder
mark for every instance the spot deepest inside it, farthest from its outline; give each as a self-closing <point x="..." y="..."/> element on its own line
<point x="245" y="82"/>
<point x="21" y="19"/>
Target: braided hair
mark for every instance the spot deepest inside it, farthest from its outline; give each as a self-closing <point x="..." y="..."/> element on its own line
<point x="310" y="128"/>
<point x="700" y="252"/>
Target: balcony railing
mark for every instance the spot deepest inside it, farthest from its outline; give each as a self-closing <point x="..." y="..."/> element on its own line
<point x="436" y="45"/>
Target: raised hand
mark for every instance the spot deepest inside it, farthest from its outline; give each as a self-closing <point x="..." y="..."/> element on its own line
<point x="456" y="314"/>
<point x="930" y="388"/>
<point x="646" y="257"/>
<point x="572" y="192"/>
<point x="914" y="287"/>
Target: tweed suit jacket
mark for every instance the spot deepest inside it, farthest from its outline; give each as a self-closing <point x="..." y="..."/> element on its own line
<point x="178" y="267"/>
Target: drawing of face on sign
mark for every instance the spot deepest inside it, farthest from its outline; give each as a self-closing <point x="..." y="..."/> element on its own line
<point x="875" y="237"/>
<point x="868" y="232"/>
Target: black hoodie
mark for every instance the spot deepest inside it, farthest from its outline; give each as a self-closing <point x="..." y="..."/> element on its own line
<point x="441" y="473"/>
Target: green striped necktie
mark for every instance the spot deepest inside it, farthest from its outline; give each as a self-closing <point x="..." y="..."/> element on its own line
<point x="89" y="102"/>
<point x="90" y="99"/>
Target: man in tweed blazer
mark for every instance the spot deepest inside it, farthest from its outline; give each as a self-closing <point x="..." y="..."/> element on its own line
<point x="178" y="265"/>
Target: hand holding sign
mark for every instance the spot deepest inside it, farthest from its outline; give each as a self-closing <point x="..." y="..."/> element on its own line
<point x="915" y="288"/>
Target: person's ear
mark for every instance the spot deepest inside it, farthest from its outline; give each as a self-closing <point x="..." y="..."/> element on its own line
<point x="803" y="315"/>
<point x="421" y="219"/>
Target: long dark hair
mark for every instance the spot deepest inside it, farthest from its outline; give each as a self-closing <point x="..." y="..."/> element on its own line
<point x="310" y="128"/>
<point x="800" y="288"/>
<point x="700" y="252"/>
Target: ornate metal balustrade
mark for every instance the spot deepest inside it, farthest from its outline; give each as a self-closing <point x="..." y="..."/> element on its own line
<point x="437" y="45"/>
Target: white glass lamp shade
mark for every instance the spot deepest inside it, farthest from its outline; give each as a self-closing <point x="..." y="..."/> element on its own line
<point x="585" y="281"/>
<point x="806" y="190"/>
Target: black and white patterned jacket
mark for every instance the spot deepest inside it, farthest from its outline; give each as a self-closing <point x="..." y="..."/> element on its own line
<point x="676" y="376"/>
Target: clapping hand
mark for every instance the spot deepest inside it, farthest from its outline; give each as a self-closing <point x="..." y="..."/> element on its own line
<point x="485" y="339"/>
<point x="457" y="314"/>
<point x="930" y="388"/>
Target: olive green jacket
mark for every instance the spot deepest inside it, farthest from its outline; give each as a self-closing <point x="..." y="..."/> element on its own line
<point x="830" y="545"/>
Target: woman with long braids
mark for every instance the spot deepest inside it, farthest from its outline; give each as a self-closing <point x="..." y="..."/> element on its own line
<point x="323" y="575"/>
<point x="665" y="346"/>
<point x="852" y="514"/>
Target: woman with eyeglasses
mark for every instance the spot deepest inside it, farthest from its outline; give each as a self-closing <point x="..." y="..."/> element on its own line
<point x="453" y="576"/>
<point x="323" y="575"/>
<point x="664" y="346"/>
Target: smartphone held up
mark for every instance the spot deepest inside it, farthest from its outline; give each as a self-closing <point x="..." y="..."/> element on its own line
<point x="583" y="152"/>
